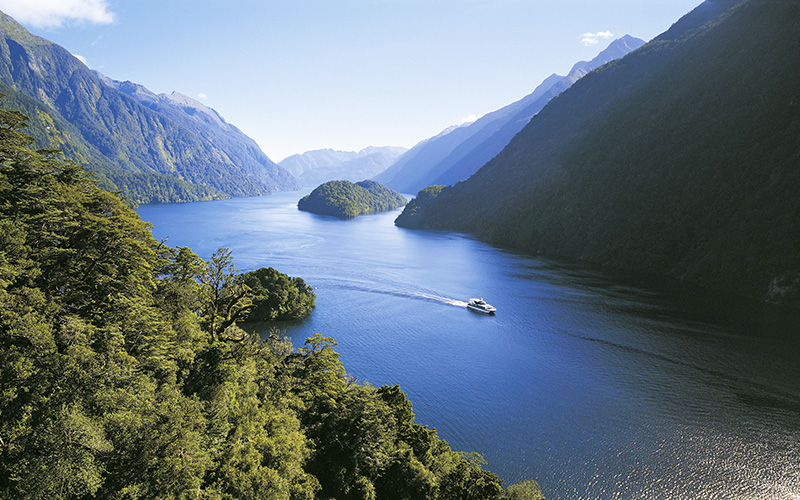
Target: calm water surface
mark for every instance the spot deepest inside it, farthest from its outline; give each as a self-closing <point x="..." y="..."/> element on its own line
<point x="596" y="385"/>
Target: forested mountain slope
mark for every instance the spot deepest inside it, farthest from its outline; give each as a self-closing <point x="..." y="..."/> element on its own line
<point x="49" y="129"/>
<point x="457" y="153"/>
<point x="206" y="124"/>
<point x="150" y="154"/>
<point x="682" y="159"/>
<point x="124" y="373"/>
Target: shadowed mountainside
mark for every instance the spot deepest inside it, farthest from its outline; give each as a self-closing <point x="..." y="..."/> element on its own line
<point x="458" y="152"/>
<point x="682" y="159"/>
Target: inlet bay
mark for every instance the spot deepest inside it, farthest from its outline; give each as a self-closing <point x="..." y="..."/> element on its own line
<point x="596" y="385"/>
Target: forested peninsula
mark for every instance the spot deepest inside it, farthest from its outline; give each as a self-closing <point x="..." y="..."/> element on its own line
<point x="125" y="372"/>
<point x="346" y="200"/>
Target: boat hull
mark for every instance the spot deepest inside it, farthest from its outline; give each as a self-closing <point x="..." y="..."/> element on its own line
<point x="480" y="309"/>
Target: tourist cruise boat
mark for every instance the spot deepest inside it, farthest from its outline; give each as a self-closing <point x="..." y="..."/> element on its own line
<point x="481" y="305"/>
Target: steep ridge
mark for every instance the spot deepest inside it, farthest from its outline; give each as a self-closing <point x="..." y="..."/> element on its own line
<point x="682" y="159"/>
<point x="50" y="130"/>
<point x="410" y="169"/>
<point x="471" y="155"/>
<point x="212" y="128"/>
<point x="457" y="153"/>
<point x="136" y="146"/>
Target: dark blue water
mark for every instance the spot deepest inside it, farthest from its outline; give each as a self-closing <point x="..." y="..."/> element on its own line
<point x="596" y="385"/>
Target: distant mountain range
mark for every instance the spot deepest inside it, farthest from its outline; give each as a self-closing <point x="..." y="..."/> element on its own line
<point x="681" y="159"/>
<point x="154" y="148"/>
<point x="312" y="168"/>
<point x="458" y="152"/>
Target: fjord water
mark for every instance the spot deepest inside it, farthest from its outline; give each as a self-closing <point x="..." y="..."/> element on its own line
<point x="597" y="385"/>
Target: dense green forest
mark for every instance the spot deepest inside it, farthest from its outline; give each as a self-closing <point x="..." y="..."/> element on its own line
<point x="345" y="199"/>
<point x="414" y="212"/>
<point x="50" y="130"/>
<point x="278" y="297"/>
<point x="682" y="159"/>
<point x="124" y="373"/>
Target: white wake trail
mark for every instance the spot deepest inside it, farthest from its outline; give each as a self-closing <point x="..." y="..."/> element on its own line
<point x="444" y="300"/>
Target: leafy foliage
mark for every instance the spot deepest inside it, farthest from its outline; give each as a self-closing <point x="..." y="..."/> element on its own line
<point x="525" y="490"/>
<point x="278" y="297"/>
<point x="681" y="160"/>
<point x="414" y="213"/>
<point x="123" y="373"/>
<point x="347" y="200"/>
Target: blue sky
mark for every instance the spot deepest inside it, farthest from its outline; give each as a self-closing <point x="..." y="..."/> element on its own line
<point x="309" y="74"/>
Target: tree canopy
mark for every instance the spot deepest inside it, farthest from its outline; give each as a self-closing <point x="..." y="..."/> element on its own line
<point x="278" y="297"/>
<point x="124" y="372"/>
<point x="345" y="199"/>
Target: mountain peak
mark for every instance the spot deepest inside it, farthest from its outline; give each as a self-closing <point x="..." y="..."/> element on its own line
<point x="127" y="87"/>
<point x="18" y="32"/>
<point x="144" y="95"/>
<point x="616" y="49"/>
<point x="458" y="151"/>
<point x="192" y="106"/>
<point x="628" y="42"/>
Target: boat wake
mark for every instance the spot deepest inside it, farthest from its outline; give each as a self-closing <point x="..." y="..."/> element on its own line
<point x="444" y="300"/>
<point x="417" y="295"/>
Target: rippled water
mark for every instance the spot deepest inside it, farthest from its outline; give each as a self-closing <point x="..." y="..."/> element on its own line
<point x="596" y="385"/>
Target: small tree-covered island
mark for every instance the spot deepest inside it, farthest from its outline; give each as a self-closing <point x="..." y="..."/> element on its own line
<point x="346" y="200"/>
<point x="125" y="372"/>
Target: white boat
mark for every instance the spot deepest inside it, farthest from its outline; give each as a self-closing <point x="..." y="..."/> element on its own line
<point x="481" y="305"/>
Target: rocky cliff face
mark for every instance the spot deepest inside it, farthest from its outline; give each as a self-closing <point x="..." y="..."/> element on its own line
<point x="784" y="290"/>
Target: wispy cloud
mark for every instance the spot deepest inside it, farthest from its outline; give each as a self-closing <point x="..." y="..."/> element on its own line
<point x="54" y="13"/>
<point x="593" y="38"/>
<point x="469" y="119"/>
<point x="202" y="96"/>
<point x="81" y="59"/>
